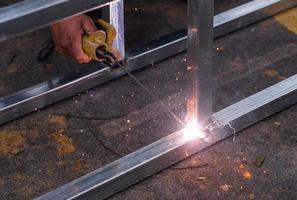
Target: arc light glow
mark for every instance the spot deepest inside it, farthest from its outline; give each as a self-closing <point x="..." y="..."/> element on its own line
<point x="193" y="130"/>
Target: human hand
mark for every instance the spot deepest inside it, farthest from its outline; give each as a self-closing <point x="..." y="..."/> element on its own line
<point x="67" y="36"/>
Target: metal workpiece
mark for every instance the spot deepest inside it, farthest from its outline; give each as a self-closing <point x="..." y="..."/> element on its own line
<point x="258" y="106"/>
<point x="61" y="87"/>
<point x="161" y="154"/>
<point x="200" y="59"/>
<point x="30" y="15"/>
<point x="114" y="14"/>
<point x="128" y="170"/>
<point x="117" y="20"/>
<point x="248" y="13"/>
<point x="46" y="93"/>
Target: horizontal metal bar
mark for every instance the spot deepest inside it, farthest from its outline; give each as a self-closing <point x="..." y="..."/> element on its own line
<point x="49" y="92"/>
<point x="259" y="106"/>
<point x="33" y="14"/>
<point x="248" y="13"/>
<point x="234" y="19"/>
<point x="61" y="87"/>
<point x="161" y="154"/>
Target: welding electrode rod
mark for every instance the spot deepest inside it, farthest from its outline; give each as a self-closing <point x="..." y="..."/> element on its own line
<point x="200" y="59"/>
<point x="163" y="105"/>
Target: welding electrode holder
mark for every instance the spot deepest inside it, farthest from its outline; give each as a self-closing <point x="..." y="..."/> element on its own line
<point x="98" y="45"/>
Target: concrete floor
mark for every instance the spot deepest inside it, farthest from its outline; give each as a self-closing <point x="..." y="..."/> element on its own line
<point x="51" y="147"/>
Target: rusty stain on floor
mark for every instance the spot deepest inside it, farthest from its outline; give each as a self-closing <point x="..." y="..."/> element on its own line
<point x="11" y="142"/>
<point x="274" y="73"/>
<point x="288" y="19"/>
<point x="64" y="143"/>
<point x="58" y="120"/>
<point x="78" y="166"/>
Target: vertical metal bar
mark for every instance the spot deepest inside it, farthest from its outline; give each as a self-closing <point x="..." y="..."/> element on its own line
<point x="200" y="59"/>
<point x="116" y="18"/>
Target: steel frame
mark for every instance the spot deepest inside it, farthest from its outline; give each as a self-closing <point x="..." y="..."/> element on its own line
<point x="138" y="165"/>
<point x="161" y="154"/>
<point x="61" y="87"/>
<point x="29" y="15"/>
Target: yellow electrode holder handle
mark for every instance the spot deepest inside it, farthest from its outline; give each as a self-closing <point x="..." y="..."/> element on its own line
<point x="101" y="39"/>
<point x="92" y="42"/>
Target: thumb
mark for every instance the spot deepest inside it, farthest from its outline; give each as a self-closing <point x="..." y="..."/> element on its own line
<point x="89" y="27"/>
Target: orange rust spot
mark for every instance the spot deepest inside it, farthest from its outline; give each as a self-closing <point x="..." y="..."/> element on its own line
<point x="274" y="73"/>
<point x="247" y="175"/>
<point x="281" y="78"/>
<point x="58" y="120"/>
<point x="77" y="166"/>
<point x="11" y="142"/>
<point x="64" y="143"/>
<point x="271" y="72"/>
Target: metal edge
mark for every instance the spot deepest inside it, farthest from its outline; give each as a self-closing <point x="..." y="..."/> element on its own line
<point x="161" y="154"/>
<point x="263" y="104"/>
<point x="117" y="20"/>
<point x="30" y="15"/>
<point x="248" y="13"/>
<point x="49" y="92"/>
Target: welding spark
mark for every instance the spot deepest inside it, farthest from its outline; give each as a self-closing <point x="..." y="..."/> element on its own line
<point x="193" y="130"/>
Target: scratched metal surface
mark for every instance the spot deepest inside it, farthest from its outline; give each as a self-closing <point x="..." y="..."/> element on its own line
<point x="46" y="149"/>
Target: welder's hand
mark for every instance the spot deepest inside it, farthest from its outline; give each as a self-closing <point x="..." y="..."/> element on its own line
<point x="67" y="36"/>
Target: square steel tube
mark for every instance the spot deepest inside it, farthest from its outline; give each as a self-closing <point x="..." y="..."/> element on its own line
<point x="30" y="15"/>
<point x="163" y="153"/>
<point x="134" y="167"/>
<point x="200" y="59"/>
<point x="114" y="14"/>
<point x="140" y="164"/>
